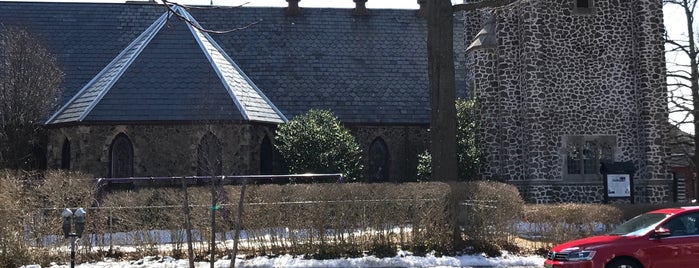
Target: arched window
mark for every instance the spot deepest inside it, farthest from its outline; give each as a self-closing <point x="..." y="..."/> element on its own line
<point x="378" y="159"/>
<point x="38" y="161"/>
<point x="266" y="157"/>
<point x="121" y="157"/>
<point x="65" y="155"/>
<point x="209" y="156"/>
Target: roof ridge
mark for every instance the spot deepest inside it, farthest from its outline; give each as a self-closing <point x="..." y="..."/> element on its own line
<point x="245" y="99"/>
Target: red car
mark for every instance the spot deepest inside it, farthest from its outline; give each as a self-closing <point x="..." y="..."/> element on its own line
<point x="663" y="238"/>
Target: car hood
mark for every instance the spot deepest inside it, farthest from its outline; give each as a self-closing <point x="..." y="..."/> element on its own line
<point x="590" y="242"/>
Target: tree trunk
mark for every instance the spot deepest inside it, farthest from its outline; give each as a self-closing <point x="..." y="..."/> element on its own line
<point x="694" y="85"/>
<point x="442" y="87"/>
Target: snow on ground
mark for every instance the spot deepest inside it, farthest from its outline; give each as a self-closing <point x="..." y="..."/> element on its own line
<point x="402" y="260"/>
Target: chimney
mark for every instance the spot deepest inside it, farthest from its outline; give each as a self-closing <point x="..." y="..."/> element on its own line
<point x="293" y="9"/>
<point x="360" y="8"/>
<point x="422" y="12"/>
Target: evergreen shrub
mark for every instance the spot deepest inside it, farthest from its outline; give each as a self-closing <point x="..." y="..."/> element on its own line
<point x="316" y="142"/>
<point x="468" y="149"/>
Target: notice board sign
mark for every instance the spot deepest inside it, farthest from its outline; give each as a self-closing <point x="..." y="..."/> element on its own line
<point x="618" y="185"/>
<point x="617" y="178"/>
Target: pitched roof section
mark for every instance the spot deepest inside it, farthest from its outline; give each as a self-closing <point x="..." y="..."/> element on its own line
<point x="172" y="71"/>
<point x="365" y="69"/>
<point x="252" y="102"/>
<point x="80" y="105"/>
<point x="485" y="38"/>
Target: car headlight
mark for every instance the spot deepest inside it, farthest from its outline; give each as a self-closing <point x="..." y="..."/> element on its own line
<point x="580" y="255"/>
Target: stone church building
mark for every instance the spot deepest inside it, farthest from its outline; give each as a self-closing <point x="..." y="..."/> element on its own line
<point x="561" y="86"/>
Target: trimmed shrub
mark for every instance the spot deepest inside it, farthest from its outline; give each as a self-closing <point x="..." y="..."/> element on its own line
<point x="342" y="220"/>
<point x="487" y="213"/>
<point x="552" y="224"/>
<point x="558" y="223"/>
<point x="333" y="220"/>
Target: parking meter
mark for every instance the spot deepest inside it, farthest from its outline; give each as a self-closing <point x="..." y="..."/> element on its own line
<point x="67" y="217"/>
<point x="79" y="222"/>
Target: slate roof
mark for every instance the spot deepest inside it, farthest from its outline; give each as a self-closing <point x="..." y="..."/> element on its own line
<point x="366" y="69"/>
<point x="145" y="82"/>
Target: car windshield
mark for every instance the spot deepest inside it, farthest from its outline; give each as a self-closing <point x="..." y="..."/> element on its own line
<point x="639" y="225"/>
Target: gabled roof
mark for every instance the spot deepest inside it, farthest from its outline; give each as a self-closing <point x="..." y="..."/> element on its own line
<point x="366" y="69"/>
<point x="145" y="82"/>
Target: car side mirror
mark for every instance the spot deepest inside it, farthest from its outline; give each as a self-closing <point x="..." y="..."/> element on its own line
<point x="661" y="232"/>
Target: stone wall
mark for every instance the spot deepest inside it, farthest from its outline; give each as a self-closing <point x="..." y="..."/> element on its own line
<point x="171" y="150"/>
<point x="404" y="143"/>
<point x="159" y="150"/>
<point x="542" y="192"/>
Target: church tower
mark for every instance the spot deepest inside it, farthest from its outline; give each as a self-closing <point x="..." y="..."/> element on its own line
<point x="563" y="85"/>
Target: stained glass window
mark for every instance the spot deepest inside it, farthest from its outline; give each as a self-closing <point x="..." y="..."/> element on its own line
<point x="209" y="156"/>
<point x="65" y="155"/>
<point x="378" y="159"/>
<point x="121" y="157"/>
<point x="584" y="153"/>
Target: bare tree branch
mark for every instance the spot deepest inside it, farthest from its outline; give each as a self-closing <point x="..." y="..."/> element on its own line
<point x="29" y="91"/>
<point x="169" y="6"/>
<point x="481" y="5"/>
<point x="683" y="89"/>
<point x="679" y="76"/>
<point x="677" y="45"/>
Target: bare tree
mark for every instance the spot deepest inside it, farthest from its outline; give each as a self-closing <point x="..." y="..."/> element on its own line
<point x="683" y="84"/>
<point x="29" y="89"/>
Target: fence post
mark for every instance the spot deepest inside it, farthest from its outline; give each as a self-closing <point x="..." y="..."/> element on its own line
<point x="187" y="223"/>
<point x="214" y="208"/>
<point x="111" y="230"/>
<point x="239" y="223"/>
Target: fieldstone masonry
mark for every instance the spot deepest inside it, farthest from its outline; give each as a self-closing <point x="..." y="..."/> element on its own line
<point x="404" y="143"/>
<point x="159" y="150"/>
<point x="558" y="70"/>
<point x="171" y="150"/>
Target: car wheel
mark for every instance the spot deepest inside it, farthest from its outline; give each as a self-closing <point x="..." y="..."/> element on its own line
<point x="622" y="263"/>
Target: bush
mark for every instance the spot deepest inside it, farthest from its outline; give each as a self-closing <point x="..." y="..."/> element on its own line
<point x="345" y="219"/>
<point x="468" y="150"/>
<point x="557" y="223"/>
<point x="312" y="220"/>
<point x="424" y="166"/>
<point x="33" y="205"/>
<point x="488" y="211"/>
<point x="317" y="143"/>
<point x="14" y="252"/>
